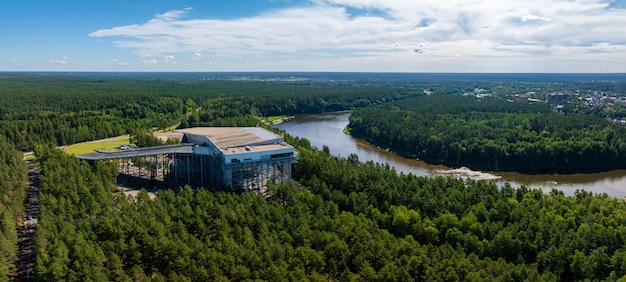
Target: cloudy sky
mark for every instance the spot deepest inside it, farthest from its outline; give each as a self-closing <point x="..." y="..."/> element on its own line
<point x="314" y="35"/>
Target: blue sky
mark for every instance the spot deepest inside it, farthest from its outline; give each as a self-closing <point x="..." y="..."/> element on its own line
<point x="314" y="35"/>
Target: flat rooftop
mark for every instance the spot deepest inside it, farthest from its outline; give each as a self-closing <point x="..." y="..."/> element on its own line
<point x="228" y="137"/>
<point x="260" y="148"/>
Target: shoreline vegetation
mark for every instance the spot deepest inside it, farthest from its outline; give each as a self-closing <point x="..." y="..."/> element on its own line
<point x="491" y="135"/>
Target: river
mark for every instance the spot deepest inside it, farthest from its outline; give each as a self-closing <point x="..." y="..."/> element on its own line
<point x="327" y="129"/>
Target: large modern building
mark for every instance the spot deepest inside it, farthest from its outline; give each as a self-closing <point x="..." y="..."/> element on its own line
<point x="244" y="157"/>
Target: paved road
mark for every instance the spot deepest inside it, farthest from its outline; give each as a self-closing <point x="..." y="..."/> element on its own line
<point x="27" y="232"/>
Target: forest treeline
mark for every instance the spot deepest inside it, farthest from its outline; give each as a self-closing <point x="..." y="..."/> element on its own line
<point x="64" y="110"/>
<point x="69" y="109"/>
<point x="490" y="134"/>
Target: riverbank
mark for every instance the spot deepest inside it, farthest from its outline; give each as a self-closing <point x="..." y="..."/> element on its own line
<point x="527" y="169"/>
<point x="274" y="120"/>
<point x="328" y="129"/>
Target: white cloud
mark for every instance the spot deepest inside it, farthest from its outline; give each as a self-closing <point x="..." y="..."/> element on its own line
<point x="117" y="62"/>
<point x="375" y="30"/>
<point x="15" y="63"/>
<point x="170" y="16"/>
<point x="535" y="18"/>
<point x="170" y="59"/>
<point x="62" y="61"/>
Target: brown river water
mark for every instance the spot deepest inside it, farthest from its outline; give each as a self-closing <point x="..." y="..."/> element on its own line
<point x="327" y="129"/>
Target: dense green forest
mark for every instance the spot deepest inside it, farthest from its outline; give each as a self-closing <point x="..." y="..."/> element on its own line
<point x="69" y="109"/>
<point x="356" y="221"/>
<point x="13" y="181"/>
<point x="65" y="110"/>
<point x="345" y="220"/>
<point x="490" y="134"/>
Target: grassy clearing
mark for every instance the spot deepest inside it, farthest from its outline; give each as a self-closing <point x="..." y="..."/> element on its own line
<point x="108" y="144"/>
<point x="274" y="118"/>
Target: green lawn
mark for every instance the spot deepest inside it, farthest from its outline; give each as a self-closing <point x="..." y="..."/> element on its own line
<point x="274" y="118"/>
<point x="108" y="144"/>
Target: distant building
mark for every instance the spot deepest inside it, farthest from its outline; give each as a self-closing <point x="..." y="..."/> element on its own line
<point x="522" y="99"/>
<point x="557" y="97"/>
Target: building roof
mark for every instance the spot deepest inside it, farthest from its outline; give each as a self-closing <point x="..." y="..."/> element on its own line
<point x="261" y="148"/>
<point x="228" y="137"/>
<point x="229" y="140"/>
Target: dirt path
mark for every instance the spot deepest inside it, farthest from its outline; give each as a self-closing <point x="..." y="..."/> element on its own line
<point x="27" y="231"/>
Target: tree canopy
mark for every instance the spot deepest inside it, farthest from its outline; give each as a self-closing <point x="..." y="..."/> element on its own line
<point x="13" y="181"/>
<point x="491" y="134"/>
